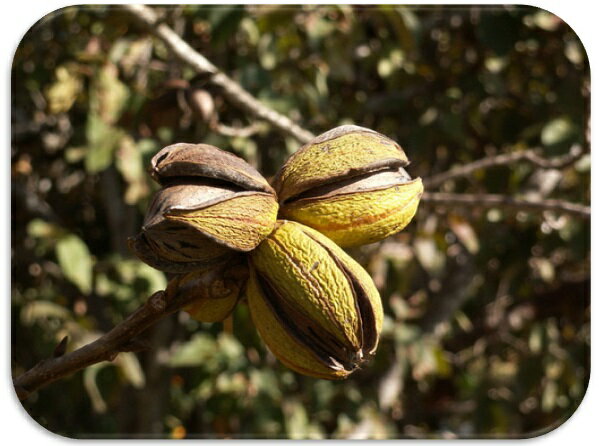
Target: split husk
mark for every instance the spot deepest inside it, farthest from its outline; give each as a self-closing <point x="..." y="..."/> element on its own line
<point x="350" y="184"/>
<point x="212" y="205"/>
<point x="314" y="306"/>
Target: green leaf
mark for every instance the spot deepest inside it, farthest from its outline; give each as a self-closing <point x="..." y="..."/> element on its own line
<point x="43" y="309"/>
<point x="156" y="280"/>
<point x="102" y="140"/>
<point x="147" y="146"/>
<point x="199" y="350"/>
<point x="129" y="161"/>
<point x="549" y="396"/>
<point x="266" y="382"/>
<point x="108" y="95"/>
<point x="544" y="20"/>
<point x="296" y="420"/>
<point x="131" y="369"/>
<point x="39" y="228"/>
<point x="61" y="94"/>
<point x="91" y="387"/>
<point x="465" y="233"/>
<point x="229" y="346"/>
<point x="75" y="261"/>
<point x="556" y="131"/>
<point x="429" y="255"/>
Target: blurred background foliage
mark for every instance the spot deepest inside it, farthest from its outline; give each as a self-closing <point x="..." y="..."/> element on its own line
<point x="487" y="312"/>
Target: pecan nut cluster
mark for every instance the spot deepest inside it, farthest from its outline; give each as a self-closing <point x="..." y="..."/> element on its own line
<point x="314" y="306"/>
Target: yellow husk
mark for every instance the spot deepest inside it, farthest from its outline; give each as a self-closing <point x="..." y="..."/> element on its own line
<point x="334" y="158"/>
<point x="357" y="271"/>
<point x="214" y="300"/>
<point x="307" y="270"/>
<point x="212" y="310"/>
<point x="239" y="223"/>
<point x="290" y="352"/>
<point x="359" y="218"/>
<point x="305" y="274"/>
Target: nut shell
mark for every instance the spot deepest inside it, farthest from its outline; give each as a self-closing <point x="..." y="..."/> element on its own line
<point x="213" y="300"/>
<point x="366" y="210"/>
<point x="314" y="306"/>
<point x="205" y="161"/>
<point x="341" y="153"/>
<point x="212" y="204"/>
<point x="350" y="184"/>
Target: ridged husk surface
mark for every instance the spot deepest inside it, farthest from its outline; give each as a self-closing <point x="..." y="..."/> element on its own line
<point x="350" y="184"/>
<point x="314" y="306"/>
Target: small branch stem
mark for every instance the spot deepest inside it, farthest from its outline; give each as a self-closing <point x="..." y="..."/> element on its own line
<point x="439" y="199"/>
<point x="121" y="338"/>
<point x="529" y="155"/>
<point x="236" y="132"/>
<point x="231" y="89"/>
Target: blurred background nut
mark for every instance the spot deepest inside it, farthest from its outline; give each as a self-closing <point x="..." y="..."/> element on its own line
<point x="349" y="184"/>
<point x="314" y="306"/>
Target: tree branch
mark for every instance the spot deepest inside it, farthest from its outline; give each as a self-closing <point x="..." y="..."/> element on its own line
<point x="236" y="132"/>
<point x="439" y="199"/>
<point x="122" y="338"/>
<point x="231" y="89"/>
<point x="530" y="155"/>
